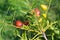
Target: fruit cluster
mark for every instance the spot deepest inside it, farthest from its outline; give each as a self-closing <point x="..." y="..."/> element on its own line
<point x="36" y="12"/>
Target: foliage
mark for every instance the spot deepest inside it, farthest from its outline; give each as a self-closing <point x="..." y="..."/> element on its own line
<point x="48" y="22"/>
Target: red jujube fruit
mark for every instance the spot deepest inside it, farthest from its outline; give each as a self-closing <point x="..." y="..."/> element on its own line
<point x="18" y="24"/>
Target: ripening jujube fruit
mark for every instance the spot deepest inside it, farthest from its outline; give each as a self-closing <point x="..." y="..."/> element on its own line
<point x="37" y="11"/>
<point x="26" y="23"/>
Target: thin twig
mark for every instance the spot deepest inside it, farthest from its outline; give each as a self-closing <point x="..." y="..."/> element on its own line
<point x="48" y="6"/>
<point x="1" y="22"/>
<point x="49" y="25"/>
<point x="35" y="36"/>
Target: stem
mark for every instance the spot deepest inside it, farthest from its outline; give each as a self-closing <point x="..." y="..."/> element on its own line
<point x="44" y="35"/>
<point x="49" y="6"/>
<point x="52" y="36"/>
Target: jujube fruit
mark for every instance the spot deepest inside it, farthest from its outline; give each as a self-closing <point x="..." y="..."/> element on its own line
<point x="18" y="24"/>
